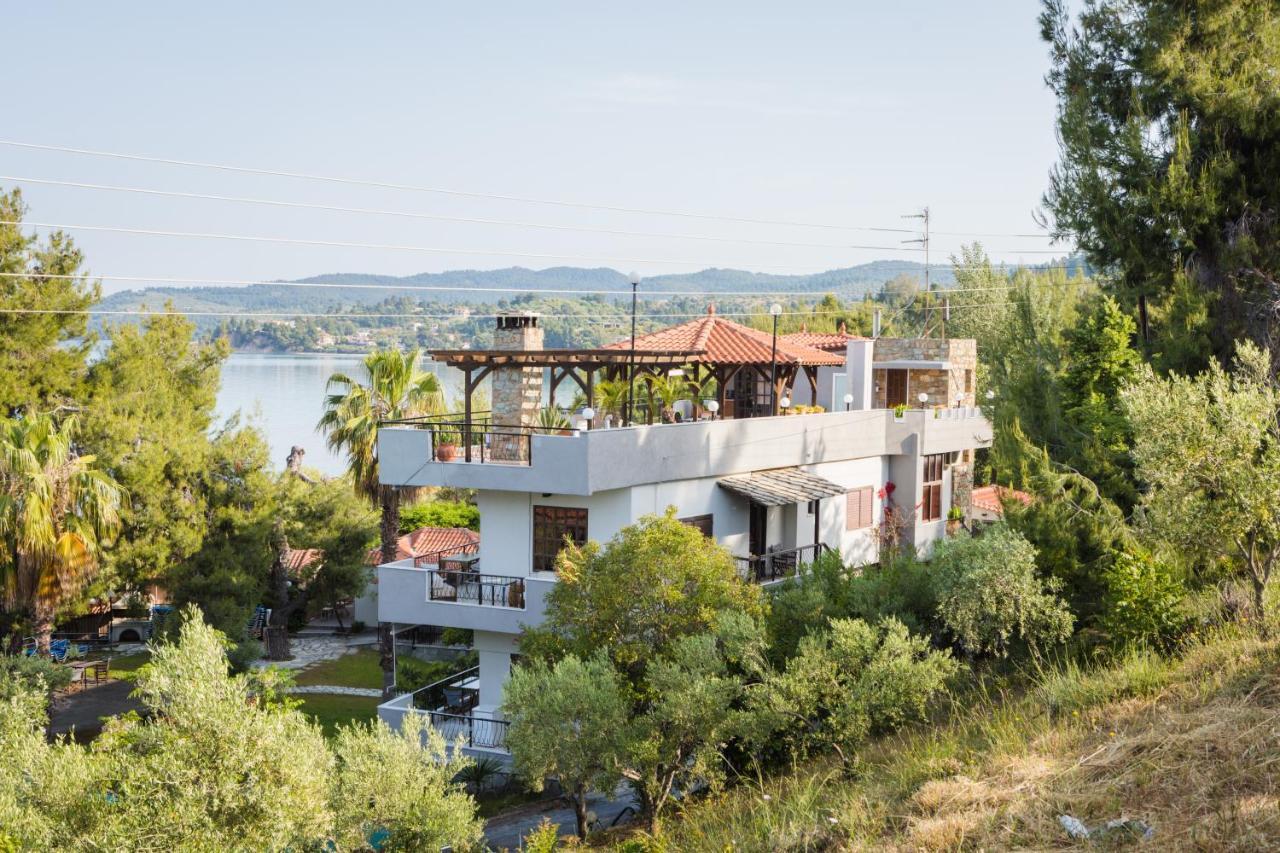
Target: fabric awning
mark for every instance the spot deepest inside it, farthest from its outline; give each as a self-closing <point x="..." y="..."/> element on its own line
<point x="781" y="486"/>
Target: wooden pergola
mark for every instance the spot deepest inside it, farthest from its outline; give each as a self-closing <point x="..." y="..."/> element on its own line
<point x="710" y="347"/>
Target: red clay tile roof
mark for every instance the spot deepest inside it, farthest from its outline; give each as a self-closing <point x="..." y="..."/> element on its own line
<point x="829" y="341"/>
<point x="715" y="340"/>
<point x="991" y="498"/>
<point x="297" y="559"/>
<point x="428" y="540"/>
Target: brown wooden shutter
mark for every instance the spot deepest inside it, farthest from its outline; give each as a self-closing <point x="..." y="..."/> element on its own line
<point x="858" y="508"/>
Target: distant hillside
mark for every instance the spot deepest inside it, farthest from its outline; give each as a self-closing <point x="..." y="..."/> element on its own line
<point x="852" y="281"/>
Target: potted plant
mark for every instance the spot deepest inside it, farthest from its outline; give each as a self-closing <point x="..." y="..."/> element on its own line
<point x="955" y="517"/>
<point x="552" y="420"/>
<point x="446" y="439"/>
<point x="899" y="411"/>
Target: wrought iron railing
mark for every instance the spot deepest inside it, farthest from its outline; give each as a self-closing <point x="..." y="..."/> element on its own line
<point x="476" y="731"/>
<point x="778" y="565"/>
<point x="449" y="704"/>
<point x="458" y="438"/>
<point x="452" y="695"/>
<point x="466" y="585"/>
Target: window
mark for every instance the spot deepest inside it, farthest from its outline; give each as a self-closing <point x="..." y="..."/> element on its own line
<point x="859" y="508"/>
<point x="551" y="524"/>
<point x="701" y="523"/>
<point x="931" y="491"/>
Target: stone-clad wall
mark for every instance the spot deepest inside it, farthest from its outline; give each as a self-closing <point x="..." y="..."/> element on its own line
<point x="945" y="387"/>
<point x="517" y="391"/>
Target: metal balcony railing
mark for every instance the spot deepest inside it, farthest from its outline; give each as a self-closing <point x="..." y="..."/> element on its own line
<point x="778" y="565"/>
<point x="449" y="705"/>
<point x="456" y="438"/>
<point x="463" y="583"/>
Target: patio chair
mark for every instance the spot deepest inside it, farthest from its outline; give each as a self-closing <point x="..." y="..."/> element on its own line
<point x="101" y="671"/>
<point x="59" y="649"/>
<point x="454" y="697"/>
<point x="77" y="677"/>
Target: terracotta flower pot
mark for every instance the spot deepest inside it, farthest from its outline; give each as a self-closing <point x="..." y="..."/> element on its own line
<point x="446" y="452"/>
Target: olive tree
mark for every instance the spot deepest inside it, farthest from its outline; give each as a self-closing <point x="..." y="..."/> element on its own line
<point x="989" y="593"/>
<point x="567" y="720"/>
<point x="1207" y="448"/>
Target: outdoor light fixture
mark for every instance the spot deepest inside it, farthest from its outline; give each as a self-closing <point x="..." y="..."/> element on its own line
<point x="848" y="402"/>
<point x="775" y="309"/>
<point x="785" y="402"/>
<point x="924" y="398"/>
<point x="712" y="406"/>
<point x="589" y="413"/>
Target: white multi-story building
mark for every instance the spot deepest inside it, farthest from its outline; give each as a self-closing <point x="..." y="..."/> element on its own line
<point x="774" y="489"/>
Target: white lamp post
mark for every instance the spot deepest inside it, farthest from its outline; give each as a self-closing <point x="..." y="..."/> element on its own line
<point x="775" y="311"/>
<point x="924" y="398"/>
<point x="712" y="406"/>
<point x="589" y="415"/>
<point x="848" y="402"/>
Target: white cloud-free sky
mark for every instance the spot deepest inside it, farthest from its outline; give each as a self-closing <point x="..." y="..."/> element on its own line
<point x="847" y="113"/>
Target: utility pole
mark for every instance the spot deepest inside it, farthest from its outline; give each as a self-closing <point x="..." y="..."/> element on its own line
<point x="631" y="358"/>
<point x="923" y="240"/>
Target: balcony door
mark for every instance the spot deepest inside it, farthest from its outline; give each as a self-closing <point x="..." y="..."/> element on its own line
<point x="895" y="388"/>
<point x="758" y="529"/>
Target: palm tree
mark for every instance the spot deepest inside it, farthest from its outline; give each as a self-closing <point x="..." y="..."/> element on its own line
<point x="395" y="388"/>
<point x="57" y="512"/>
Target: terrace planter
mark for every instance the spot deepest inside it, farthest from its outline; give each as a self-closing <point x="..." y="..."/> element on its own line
<point x="446" y="452"/>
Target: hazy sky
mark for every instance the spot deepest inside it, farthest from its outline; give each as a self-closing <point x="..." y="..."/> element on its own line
<point x="848" y="113"/>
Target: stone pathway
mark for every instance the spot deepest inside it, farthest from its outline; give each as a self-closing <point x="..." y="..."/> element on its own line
<point x="309" y="650"/>
<point x="336" y="690"/>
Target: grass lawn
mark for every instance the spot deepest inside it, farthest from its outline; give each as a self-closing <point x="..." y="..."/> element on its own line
<point x="123" y="666"/>
<point x="332" y="711"/>
<point x="354" y="669"/>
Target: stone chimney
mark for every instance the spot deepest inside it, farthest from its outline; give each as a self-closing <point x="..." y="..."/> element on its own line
<point x="516" y="391"/>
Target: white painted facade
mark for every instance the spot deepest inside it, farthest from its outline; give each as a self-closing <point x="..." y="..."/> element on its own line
<point x="621" y="475"/>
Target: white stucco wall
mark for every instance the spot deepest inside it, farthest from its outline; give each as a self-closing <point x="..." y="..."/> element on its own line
<point x="494" y="650"/>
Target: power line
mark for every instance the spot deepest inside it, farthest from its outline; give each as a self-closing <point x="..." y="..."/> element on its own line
<point x="473" y="194"/>
<point x="298" y="241"/>
<point x="437" y="190"/>
<point x="441" y="217"/>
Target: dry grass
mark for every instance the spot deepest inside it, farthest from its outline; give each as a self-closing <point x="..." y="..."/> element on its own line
<point x="1191" y="746"/>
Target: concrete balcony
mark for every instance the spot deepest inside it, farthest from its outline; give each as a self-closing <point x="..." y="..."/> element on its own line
<point x="410" y="594"/>
<point x="591" y="461"/>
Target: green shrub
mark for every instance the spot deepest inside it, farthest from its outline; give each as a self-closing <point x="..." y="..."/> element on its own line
<point x="989" y="594"/>
<point x="458" y="637"/>
<point x="1145" y="600"/>
<point x="440" y="514"/>
<point x="23" y="671"/>
<point x="902" y="588"/>
<point x="241" y="656"/>
<point x="544" y="838"/>
<point x="853" y="680"/>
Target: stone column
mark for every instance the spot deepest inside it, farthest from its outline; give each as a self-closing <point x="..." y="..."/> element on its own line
<point x="517" y="391"/>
